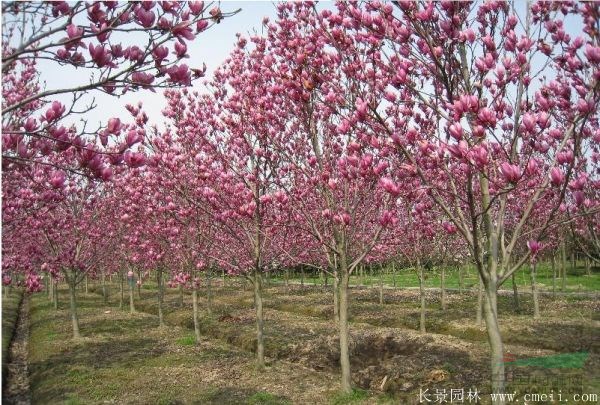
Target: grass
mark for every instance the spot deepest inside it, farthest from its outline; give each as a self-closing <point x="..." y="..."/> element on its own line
<point x="186" y="341"/>
<point x="125" y="358"/>
<point x="266" y="398"/>
<point x="10" y="314"/>
<point x="121" y="352"/>
<point x="356" y="396"/>
<point x="576" y="278"/>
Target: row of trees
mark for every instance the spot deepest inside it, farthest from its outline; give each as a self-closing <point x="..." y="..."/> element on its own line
<point x="367" y="132"/>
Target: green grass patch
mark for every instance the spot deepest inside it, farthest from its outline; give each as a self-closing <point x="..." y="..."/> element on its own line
<point x="356" y="396"/>
<point x="187" y="341"/>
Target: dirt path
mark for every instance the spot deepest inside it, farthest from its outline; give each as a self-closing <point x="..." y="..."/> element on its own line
<point x="16" y="390"/>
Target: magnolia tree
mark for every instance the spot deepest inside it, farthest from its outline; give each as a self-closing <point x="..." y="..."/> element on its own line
<point x="222" y="167"/>
<point x="334" y="160"/>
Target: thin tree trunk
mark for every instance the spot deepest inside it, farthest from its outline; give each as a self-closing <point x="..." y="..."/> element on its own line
<point x="86" y="284"/>
<point x="380" y="287"/>
<point x="515" y="294"/>
<point x="344" y="329"/>
<point x="302" y="277"/>
<point x="104" y="294"/>
<point x="195" y="312"/>
<point x="336" y="296"/>
<point x="258" y="303"/>
<point x="122" y="295"/>
<point x="180" y="296"/>
<point x="287" y="279"/>
<point x="588" y="267"/>
<point x="131" y="303"/>
<point x="422" y="328"/>
<point x="362" y="275"/>
<point x="553" y="275"/>
<point x="394" y="274"/>
<point x="461" y="280"/>
<point x="443" y="287"/>
<point x="208" y="293"/>
<point x="139" y="285"/>
<point x="564" y="266"/>
<point x="73" y="305"/>
<point x="159" y="281"/>
<point x="479" y="317"/>
<point x="55" y="294"/>
<point x="494" y="338"/>
<point x="534" y="292"/>
<point x="223" y="277"/>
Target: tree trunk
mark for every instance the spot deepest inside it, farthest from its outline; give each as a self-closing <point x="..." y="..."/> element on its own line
<point x="195" y="312"/>
<point x="494" y="338"/>
<point x="461" y="280"/>
<point x="223" y="277"/>
<point x="287" y="279"/>
<point x="50" y="290"/>
<point x="534" y="292"/>
<point x="180" y="296"/>
<point x="208" y="293"/>
<point x="553" y="258"/>
<point x="122" y="292"/>
<point x="422" y="328"/>
<point x="394" y="274"/>
<point x="55" y="294"/>
<point x="258" y="303"/>
<point x="302" y="277"/>
<point x="344" y="330"/>
<point x="131" y="303"/>
<point x="380" y="287"/>
<point x="362" y="275"/>
<point x="104" y="294"/>
<point x="515" y="294"/>
<point x="564" y="266"/>
<point x="73" y="305"/>
<point x="86" y="284"/>
<point x="336" y="297"/>
<point x="443" y="287"/>
<point x="159" y="296"/>
<point x="588" y="267"/>
<point x="479" y="317"/>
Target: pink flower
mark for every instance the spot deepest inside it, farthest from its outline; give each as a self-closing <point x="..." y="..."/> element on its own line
<point x="201" y="25"/>
<point x="30" y="125"/>
<point x="592" y="53"/>
<point x="534" y="247"/>
<point x="196" y="7"/>
<point x="145" y="17"/>
<point x="389" y="186"/>
<point x="74" y="31"/>
<point x="58" y="179"/>
<point x="557" y="177"/>
<point x="114" y="126"/>
<point x="511" y="173"/>
<point x="456" y="131"/>
<point x="180" y="49"/>
<point x="450" y="228"/>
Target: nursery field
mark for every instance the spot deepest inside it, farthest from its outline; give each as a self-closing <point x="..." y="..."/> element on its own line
<point x="127" y="358"/>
